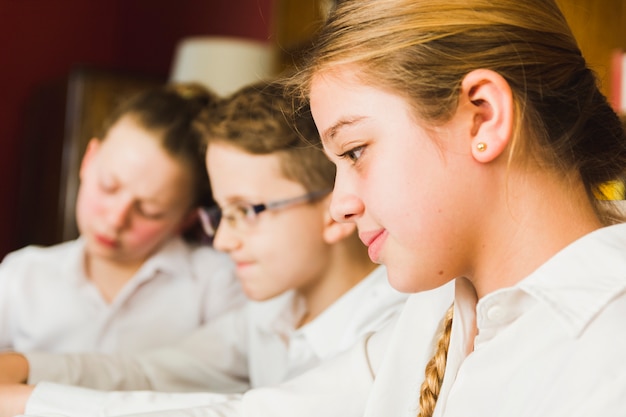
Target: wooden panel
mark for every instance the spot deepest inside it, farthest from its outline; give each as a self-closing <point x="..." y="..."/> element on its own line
<point x="296" y="22"/>
<point x="599" y="27"/>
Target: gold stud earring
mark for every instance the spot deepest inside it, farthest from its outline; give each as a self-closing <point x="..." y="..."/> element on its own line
<point x="481" y="146"/>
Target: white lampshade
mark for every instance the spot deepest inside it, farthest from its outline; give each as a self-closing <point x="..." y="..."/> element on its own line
<point x="221" y="63"/>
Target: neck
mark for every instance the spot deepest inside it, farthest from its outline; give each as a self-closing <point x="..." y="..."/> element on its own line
<point x="108" y="276"/>
<point x="347" y="267"/>
<point x="536" y="218"/>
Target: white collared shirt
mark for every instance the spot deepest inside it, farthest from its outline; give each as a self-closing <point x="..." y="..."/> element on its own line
<point x="48" y="304"/>
<point x="365" y="308"/>
<point x="260" y="341"/>
<point x="553" y="345"/>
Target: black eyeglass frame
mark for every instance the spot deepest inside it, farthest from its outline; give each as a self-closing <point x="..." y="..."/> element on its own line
<point x="211" y="217"/>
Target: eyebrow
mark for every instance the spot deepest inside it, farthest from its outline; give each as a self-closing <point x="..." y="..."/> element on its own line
<point x="330" y="133"/>
<point x="236" y="199"/>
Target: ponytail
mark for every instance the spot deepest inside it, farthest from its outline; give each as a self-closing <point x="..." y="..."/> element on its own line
<point x="435" y="369"/>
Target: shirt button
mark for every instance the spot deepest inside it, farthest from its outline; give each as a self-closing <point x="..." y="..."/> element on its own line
<point x="495" y="313"/>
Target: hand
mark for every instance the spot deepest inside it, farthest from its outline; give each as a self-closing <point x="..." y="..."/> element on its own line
<point x="13" y="368"/>
<point x="13" y="399"/>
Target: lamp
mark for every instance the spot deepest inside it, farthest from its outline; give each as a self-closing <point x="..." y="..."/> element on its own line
<point x="222" y="64"/>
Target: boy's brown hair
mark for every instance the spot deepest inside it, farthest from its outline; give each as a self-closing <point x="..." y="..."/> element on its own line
<point x="261" y="119"/>
<point x="176" y="115"/>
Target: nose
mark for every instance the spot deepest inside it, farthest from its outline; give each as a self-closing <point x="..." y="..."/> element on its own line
<point x="226" y="238"/>
<point x="345" y="205"/>
<point x="118" y="212"/>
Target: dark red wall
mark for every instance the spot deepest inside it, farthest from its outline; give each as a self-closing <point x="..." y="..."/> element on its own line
<point x="41" y="40"/>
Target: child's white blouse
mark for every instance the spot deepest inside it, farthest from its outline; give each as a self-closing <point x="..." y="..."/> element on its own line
<point x="255" y="346"/>
<point x="553" y="345"/>
<point x="48" y="304"/>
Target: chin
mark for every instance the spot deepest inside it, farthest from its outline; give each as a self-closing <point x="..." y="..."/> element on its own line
<point x="255" y="295"/>
<point x="409" y="282"/>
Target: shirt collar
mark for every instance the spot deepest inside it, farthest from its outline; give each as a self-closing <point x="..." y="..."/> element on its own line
<point x="563" y="283"/>
<point x="579" y="281"/>
<point x="172" y="259"/>
<point x="327" y="331"/>
<point x="278" y="314"/>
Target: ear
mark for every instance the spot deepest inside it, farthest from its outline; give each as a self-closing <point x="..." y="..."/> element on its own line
<point x="333" y="230"/>
<point x="92" y="149"/>
<point x="491" y="101"/>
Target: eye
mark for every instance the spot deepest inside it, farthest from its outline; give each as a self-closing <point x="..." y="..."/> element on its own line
<point x="107" y="184"/>
<point x="149" y="210"/>
<point x="235" y="213"/>
<point x="353" y="154"/>
<point x="150" y="214"/>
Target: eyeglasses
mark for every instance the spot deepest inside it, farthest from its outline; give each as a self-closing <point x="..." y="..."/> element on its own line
<point x="244" y="215"/>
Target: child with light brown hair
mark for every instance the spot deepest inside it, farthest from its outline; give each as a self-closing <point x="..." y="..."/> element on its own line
<point x="470" y="139"/>
<point x="141" y="182"/>
<point x="314" y="290"/>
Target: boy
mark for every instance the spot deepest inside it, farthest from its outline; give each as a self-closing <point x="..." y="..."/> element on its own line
<point x="314" y="290"/>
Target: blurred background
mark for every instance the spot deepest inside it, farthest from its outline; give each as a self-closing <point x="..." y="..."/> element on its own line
<point x="65" y="61"/>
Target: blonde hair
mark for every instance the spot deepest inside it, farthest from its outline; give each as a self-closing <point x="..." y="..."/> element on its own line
<point x="422" y="49"/>
<point x="435" y="369"/>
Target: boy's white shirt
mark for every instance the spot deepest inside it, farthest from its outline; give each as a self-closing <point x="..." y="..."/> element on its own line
<point x="258" y="341"/>
<point x="48" y="304"/>
<point x="553" y="345"/>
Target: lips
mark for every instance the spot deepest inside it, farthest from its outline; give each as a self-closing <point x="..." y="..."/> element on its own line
<point x="374" y="241"/>
<point x="241" y="263"/>
<point x="106" y="241"/>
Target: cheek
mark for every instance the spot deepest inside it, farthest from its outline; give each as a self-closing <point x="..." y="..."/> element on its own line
<point x="88" y="205"/>
<point x="292" y="248"/>
<point x="147" y="234"/>
<point x="401" y="199"/>
<point x="278" y="252"/>
<point x="408" y="182"/>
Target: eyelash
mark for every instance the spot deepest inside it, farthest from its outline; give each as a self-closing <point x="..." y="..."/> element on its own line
<point x="351" y="154"/>
<point x="150" y="216"/>
<point x="107" y="187"/>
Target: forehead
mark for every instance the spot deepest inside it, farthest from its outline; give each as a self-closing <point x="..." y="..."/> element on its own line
<point x="129" y="145"/>
<point x="237" y="174"/>
<point x="135" y="158"/>
<point x="340" y="101"/>
<point x="128" y="133"/>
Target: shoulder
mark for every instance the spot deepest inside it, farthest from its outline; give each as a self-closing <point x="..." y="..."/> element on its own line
<point x="34" y="255"/>
<point x="35" y="267"/>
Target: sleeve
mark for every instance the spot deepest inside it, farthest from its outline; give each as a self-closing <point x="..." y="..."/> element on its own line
<point x="6" y="296"/>
<point x="338" y="388"/>
<point x="51" y="399"/>
<point x="213" y="358"/>
<point x="221" y="289"/>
